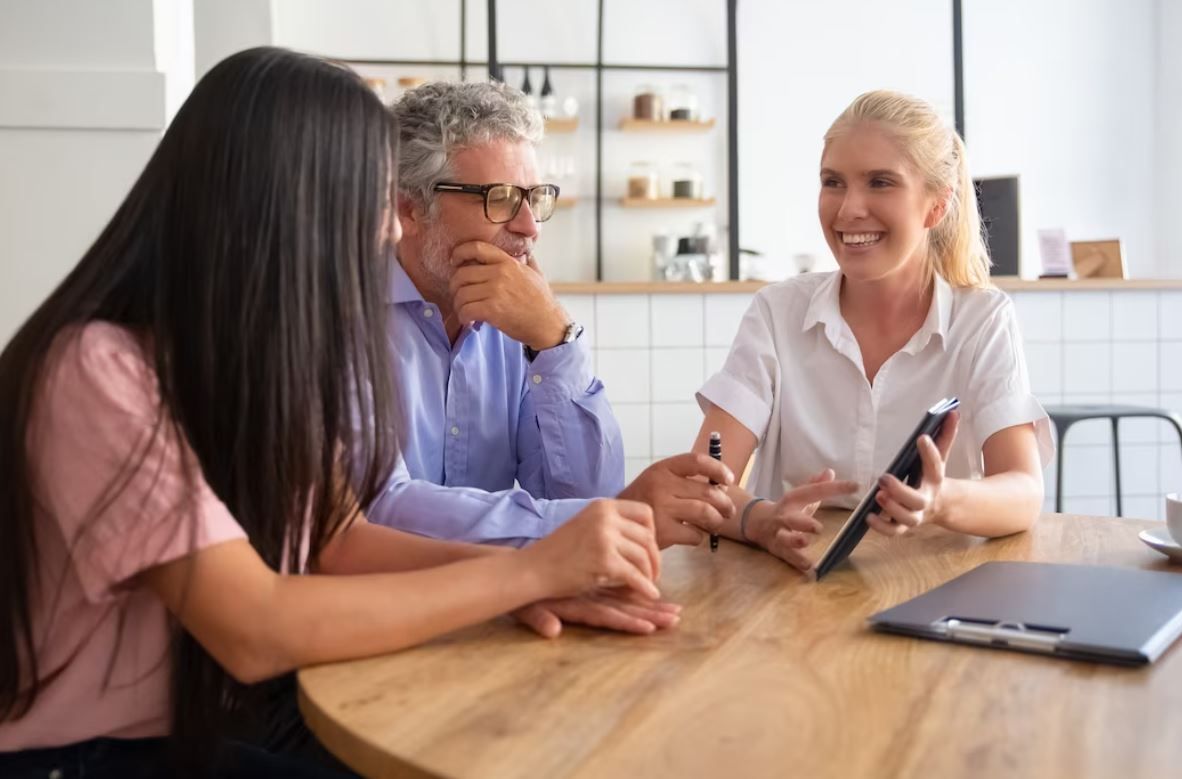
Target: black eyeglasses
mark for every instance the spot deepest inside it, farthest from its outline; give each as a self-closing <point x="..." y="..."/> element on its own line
<point x="503" y="201"/>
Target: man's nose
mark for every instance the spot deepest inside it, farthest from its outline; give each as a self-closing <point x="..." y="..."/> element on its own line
<point x="523" y="223"/>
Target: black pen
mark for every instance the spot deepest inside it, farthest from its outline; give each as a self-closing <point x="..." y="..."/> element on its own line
<point x="716" y="453"/>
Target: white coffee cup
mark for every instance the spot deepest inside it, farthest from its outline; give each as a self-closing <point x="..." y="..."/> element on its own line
<point x="1174" y="516"/>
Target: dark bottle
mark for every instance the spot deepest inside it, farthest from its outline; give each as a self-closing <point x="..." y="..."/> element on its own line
<point x="549" y="103"/>
<point x="528" y="89"/>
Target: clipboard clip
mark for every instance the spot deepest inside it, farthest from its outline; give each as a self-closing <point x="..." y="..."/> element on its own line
<point x="1038" y="638"/>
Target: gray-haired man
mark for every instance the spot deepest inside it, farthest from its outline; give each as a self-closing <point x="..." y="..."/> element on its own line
<point x="496" y="386"/>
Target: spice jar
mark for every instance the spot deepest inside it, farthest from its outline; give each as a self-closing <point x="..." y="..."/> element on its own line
<point x="687" y="182"/>
<point x="648" y="104"/>
<point x="378" y="85"/>
<point x="683" y="104"/>
<point x="643" y="181"/>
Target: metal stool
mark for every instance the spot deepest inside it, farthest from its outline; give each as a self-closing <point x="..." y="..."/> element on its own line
<point x="1066" y="416"/>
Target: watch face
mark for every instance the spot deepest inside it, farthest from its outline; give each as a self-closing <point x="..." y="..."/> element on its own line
<point x="573" y="331"/>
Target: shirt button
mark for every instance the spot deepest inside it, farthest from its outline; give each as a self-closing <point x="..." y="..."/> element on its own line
<point x="428" y="313"/>
<point x="455" y="430"/>
<point x="537" y="379"/>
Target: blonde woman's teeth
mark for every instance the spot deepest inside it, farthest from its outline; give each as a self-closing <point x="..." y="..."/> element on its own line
<point x="860" y="239"/>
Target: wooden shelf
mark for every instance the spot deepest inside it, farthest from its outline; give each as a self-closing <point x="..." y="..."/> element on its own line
<point x="654" y="287"/>
<point x="562" y="125"/>
<point x="665" y="202"/>
<point x="1007" y="283"/>
<point x="566" y="202"/>
<point x="673" y="125"/>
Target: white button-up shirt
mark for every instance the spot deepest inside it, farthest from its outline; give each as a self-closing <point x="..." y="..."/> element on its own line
<point x="795" y="378"/>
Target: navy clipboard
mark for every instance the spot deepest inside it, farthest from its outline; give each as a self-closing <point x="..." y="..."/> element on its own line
<point x="1124" y="616"/>
<point x="906" y="467"/>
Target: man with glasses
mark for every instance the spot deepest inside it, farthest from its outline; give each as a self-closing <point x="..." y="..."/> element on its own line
<point x="506" y="433"/>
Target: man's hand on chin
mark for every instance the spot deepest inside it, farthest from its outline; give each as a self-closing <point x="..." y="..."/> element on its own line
<point x="509" y="292"/>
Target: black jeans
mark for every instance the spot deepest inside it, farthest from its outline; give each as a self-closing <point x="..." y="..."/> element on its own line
<point x="287" y="749"/>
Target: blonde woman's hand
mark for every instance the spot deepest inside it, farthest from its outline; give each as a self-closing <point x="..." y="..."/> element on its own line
<point x="609" y="544"/>
<point x="904" y="507"/>
<point x="787" y="527"/>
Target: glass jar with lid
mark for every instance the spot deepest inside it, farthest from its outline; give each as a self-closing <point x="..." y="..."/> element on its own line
<point x="683" y="104"/>
<point x="643" y="182"/>
<point x="687" y="181"/>
<point x="378" y="85"/>
<point x="648" y="103"/>
<point x="407" y="83"/>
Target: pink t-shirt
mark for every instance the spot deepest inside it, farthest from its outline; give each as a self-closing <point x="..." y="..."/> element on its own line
<point x="98" y="406"/>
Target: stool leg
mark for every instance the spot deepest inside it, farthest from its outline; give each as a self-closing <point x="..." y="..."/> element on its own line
<point x="1116" y="463"/>
<point x="1173" y="419"/>
<point x="1060" y="433"/>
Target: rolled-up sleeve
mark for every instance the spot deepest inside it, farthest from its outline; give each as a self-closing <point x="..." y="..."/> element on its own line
<point x="999" y="385"/>
<point x="569" y="443"/>
<point x="745" y="387"/>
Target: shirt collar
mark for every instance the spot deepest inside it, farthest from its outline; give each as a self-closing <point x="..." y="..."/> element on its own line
<point x="937" y="319"/>
<point x="825" y="308"/>
<point x="401" y="290"/>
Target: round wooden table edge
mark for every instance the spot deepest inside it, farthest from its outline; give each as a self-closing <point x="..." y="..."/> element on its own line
<point x="358" y="753"/>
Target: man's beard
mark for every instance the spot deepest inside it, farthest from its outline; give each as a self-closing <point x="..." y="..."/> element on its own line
<point x="438" y="247"/>
<point x="437" y="260"/>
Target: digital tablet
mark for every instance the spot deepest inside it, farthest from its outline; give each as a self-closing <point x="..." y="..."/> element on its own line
<point x="907" y="467"/>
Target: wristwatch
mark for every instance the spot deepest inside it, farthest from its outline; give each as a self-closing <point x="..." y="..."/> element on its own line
<point x="573" y="331"/>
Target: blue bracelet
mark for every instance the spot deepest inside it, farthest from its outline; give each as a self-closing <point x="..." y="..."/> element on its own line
<point x="743" y="519"/>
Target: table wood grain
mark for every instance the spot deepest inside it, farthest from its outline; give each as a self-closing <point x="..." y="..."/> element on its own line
<point x="768" y="675"/>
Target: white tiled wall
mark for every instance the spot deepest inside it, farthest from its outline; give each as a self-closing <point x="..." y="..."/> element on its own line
<point x="654" y="351"/>
<point x="1117" y="347"/>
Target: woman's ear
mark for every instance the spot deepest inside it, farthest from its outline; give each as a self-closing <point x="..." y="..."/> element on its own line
<point x="939" y="208"/>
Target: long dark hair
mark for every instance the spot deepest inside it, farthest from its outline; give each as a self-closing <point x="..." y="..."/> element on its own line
<point x="250" y="250"/>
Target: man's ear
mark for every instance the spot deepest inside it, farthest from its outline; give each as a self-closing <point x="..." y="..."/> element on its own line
<point x="411" y="214"/>
<point x="939" y="208"/>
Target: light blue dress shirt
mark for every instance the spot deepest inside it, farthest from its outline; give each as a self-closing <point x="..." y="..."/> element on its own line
<point x="494" y="448"/>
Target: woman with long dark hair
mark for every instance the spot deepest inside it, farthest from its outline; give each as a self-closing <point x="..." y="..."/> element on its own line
<point x="181" y="423"/>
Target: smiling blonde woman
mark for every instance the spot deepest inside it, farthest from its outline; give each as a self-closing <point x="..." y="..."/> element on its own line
<point x="830" y="372"/>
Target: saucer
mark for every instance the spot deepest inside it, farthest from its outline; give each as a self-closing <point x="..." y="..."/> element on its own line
<point x="1159" y="539"/>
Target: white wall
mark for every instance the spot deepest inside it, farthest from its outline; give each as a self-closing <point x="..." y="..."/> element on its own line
<point x="800" y="64"/>
<point x="1168" y="140"/>
<point x="222" y="27"/>
<point x="83" y="100"/>
<point x="1061" y="92"/>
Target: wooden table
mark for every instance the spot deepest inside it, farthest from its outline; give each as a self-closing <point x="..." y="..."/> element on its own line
<point x="767" y="676"/>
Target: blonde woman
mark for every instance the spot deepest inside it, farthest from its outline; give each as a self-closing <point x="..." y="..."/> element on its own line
<point x="830" y="372"/>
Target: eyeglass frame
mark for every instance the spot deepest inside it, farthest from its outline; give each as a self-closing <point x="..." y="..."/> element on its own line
<point x="484" y="189"/>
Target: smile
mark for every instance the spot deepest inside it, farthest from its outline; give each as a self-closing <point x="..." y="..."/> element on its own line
<point x="860" y="239"/>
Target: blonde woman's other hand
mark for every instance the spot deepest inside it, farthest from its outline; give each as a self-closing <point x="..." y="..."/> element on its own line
<point x="903" y="507"/>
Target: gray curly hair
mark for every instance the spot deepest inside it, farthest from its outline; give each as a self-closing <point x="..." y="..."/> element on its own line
<point x="440" y="118"/>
